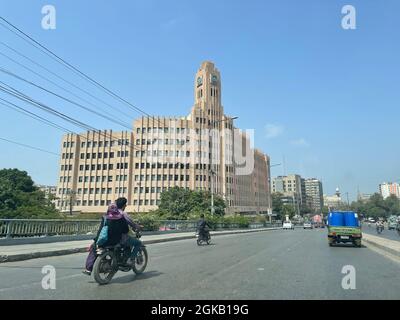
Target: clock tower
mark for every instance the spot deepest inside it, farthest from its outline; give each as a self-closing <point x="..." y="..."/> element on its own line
<point x="207" y="90"/>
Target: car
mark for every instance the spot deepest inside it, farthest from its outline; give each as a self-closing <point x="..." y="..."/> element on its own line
<point x="392" y="225"/>
<point x="307" y="225"/>
<point x="288" y="225"/>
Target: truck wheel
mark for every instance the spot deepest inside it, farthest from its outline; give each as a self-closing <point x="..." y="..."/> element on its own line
<point x="357" y="243"/>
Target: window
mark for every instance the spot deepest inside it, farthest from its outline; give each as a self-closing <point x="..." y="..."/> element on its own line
<point x="80" y="179"/>
<point x="111" y="154"/>
<point x="82" y="156"/>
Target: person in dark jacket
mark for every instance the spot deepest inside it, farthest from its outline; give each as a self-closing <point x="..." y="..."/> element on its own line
<point x="118" y="227"/>
<point x="203" y="227"/>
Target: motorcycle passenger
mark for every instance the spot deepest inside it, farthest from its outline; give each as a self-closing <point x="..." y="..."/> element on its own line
<point x="203" y="228"/>
<point x="379" y="224"/>
<point x="118" y="223"/>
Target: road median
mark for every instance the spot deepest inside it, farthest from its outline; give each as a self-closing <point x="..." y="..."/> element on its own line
<point x="42" y="250"/>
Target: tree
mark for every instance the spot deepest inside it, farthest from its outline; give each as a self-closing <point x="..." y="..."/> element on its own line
<point x="377" y="207"/>
<point x="179" y="203"/>
<point x="19" y="198"/>
<point x="277" y="203"/>
<point x="287" y="210"/>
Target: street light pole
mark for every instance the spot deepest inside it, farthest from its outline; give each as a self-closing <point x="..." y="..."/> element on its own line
<point x="212" y="192"/>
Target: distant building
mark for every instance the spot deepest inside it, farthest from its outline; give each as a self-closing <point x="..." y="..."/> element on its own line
<point x="333" y="202"/>
<point x="388" y="188"/>
<point x="314" y="192"/>
<point x="49" y="190"/>
<point x="292" y="188"/>
<point x="363" y="197"/>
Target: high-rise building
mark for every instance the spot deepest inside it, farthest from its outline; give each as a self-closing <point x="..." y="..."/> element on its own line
<point x="313" y="190"/>
<point x="389" y="188"/>
<point x="292" y="188"/>
<point x="201" y="151"/>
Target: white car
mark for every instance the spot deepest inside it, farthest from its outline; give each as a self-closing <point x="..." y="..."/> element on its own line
<point x="307" y="225"/>
<point x="288" y="225"/>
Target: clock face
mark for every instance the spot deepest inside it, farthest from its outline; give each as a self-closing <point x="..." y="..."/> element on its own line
<point x="199" y="81"/>
<point x="214" y="79"/>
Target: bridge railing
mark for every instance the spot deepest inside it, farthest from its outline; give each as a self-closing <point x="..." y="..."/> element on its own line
<point x="17" y="228"/>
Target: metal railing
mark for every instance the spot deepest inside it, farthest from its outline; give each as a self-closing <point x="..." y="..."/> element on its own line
<point x="11" y="228"/>
<point x="17" y="228"/>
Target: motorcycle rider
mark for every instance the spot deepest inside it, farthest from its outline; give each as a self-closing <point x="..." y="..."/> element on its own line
<point x="118" y="222"/>
<point x="203" y="228"/>
<point x="379" y="224"/>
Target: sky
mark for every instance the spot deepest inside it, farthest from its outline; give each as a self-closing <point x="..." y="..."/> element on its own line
<point x="322" y="100"/>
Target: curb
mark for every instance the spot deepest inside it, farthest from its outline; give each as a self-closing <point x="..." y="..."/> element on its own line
<point x="61" y="252"/>
<point x="380" y="246"/>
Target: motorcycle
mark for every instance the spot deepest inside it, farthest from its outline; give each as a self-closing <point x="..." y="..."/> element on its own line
<point x="111" y="259"/>
<point x="379" y="229"/>
<point x="203" y="237"/>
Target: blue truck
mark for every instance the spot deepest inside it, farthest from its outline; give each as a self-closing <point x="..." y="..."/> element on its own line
<point x="344" y="227"/>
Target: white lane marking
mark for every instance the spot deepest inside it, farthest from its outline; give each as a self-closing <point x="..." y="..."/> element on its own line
<point x="260" y="269"/>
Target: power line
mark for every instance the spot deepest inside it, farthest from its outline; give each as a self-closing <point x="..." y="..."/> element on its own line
<point x="28" y="146"/>
<point x="71" y="67"/>
<point x="19" y="109"/>
<point x="17" y="94"/>
<point x="61" y="78"/>
<point x="63" y="98"/>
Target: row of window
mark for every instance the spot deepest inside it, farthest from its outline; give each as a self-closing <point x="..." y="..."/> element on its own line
<point x="94" y="144"/>
<point x="68" y="144"/>
<point x="162" y="130"/>
<point x="102" y="166"/>
<point x="179" y="142"/>
<point x="67" y="156"/>
<point x="102" y="178"/>
<point x="104" y="155"/>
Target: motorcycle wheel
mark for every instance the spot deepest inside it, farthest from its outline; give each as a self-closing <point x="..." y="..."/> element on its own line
<point x="198" y="242"/>
<point x="140" y="261"/>
<point x="103" y="269"/>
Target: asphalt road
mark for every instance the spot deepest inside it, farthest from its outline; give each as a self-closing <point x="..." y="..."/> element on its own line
<point x="282" y="264"/>
<point x="387" y="234"/>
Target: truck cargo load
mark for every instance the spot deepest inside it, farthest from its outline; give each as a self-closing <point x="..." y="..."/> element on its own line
<point x="344" y="227"/>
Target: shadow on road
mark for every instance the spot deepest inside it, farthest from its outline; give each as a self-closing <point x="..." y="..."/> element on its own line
<point x="344" y="245"/>
<point x="40" y="267"/>
<point x="132" y="277"/>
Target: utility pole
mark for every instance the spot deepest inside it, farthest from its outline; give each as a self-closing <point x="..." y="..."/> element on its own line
<point x="212" y="192"/>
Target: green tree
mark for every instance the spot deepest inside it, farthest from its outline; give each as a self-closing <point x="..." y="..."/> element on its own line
<point x="277" y="203"/>
<point x="180" y="203"/>
<point x="287" y="209"/>
<point x="19" y="198"/>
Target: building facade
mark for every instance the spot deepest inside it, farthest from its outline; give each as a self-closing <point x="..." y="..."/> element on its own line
<point x="292" y="188"/>
<point x="201" y="151"/>
<point x="334" y="201"/>
<point x="389" y="188"/>
<point x="314" y="192"/>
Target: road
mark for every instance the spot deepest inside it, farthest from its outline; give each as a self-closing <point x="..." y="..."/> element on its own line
<point x="281" y="264"/>
<point x="387" y="234"/>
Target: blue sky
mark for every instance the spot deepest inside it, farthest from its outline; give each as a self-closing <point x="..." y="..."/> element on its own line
<point x="323" y="97"/>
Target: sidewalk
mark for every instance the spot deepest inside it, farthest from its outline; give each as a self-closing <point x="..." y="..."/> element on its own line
<point x="388" y="245"/>
<point x="40" y="250"/>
